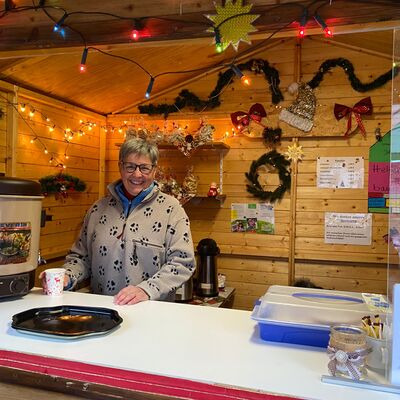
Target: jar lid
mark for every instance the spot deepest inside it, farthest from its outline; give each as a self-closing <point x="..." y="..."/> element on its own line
<point x="19" y="187"/>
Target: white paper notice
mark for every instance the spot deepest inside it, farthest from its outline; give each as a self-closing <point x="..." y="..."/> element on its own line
<point x="348" y="228"/>
<point x="340" y="173"/>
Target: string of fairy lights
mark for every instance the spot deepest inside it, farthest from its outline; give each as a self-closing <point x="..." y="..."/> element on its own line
<point x="31" y="115"/>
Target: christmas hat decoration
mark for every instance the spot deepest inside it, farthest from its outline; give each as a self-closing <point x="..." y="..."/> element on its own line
<point x="300" y="113"/>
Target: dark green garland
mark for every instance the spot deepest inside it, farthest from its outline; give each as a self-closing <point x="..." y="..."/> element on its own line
<point x="278" y="161"/>
<point x="189" y="99"/>
<point x="61" y="184"/>
<point x="348" y="68"/>
<point x="272" y="136"/>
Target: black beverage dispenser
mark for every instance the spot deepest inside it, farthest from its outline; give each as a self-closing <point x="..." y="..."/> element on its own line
<point x="207" y="278"/>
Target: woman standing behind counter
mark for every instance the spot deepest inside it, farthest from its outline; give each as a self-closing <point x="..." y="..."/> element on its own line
<point x="135" y="243"/>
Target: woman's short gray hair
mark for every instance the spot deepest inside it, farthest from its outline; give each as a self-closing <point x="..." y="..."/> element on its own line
<point x="140" y="147"/>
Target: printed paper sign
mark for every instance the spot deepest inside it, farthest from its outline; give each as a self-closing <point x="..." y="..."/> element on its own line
<point x="252" y="217"/>
<point x="348" y="228"/>
<point x="340" y="173"/>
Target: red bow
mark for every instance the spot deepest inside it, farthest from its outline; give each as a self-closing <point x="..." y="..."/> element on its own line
<point x="364" y="106"/>
<point x="256" y="113"/>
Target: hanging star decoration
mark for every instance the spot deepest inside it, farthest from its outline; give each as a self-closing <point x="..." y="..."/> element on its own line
<point x="294" y="153"/>
<point x="238" y="22"/>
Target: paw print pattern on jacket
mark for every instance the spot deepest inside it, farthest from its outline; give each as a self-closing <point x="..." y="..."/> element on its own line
<point x="85" y="232"/>
<point x="183" y="254"/>
<point x="117" y="265"/>
<point x="174" y="270"/>
<point x="134" y="260"/>
<point x="94" y="209"/>
<point x="157" y="227"/>
<point x="134" y="227"/>
<point x="122" y="216"/>
<point x="112" y="202"/>
<point x="101" y="270"/>
<point x="122" y="245"/>
<point x="113" y="230"/>
<point x="186" y="237"/>
<point x="103" y="219"/>
<point x="172" y="291"/>
<point x="144" y="241"/>
<point x="187" y="222"/>
<point x="127" y="281"/>
<point x="145" y="276"/>
<point x="148" y="211"/>
<point x="100" y="287"/>
<point x="111" y="285"/>
<point x="156" y="262"/>
<point x="103" y="250"/>
<point x="94" y="236"/>
<point x="152" y="284"/>
<point x="169" y="209"/>
<point x="160" y="199"/>
<point x="171" y="230"/>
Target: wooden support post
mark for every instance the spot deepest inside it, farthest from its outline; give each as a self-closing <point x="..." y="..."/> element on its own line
<point x="12" y="133"/>
<point x="293" y="184"/>
<point x="102" y="161"/>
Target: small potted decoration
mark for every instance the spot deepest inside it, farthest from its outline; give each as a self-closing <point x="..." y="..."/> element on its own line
<point x="61" y="184"/>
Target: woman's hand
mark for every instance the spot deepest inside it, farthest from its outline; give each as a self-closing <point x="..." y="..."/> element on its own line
<point x="130" y="295"/>
<point x="42" y="278"/>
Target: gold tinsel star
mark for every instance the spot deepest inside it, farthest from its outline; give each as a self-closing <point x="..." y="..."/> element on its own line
<point x="294" y="153"/>
<point x="236" y="29"/>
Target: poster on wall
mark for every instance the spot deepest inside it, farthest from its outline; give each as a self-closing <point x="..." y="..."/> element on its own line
<point x="252" y="217"/>
<point x="348" y="228"/>
<point x="340" y="172"/>
<point x="379" y="175"/>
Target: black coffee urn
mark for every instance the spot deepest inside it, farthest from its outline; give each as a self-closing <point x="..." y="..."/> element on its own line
<point x="207" y="278"/>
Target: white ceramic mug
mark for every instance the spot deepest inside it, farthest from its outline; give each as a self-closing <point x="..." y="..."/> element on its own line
<point x="379" y="356"/>
<point x="54" y="278"/>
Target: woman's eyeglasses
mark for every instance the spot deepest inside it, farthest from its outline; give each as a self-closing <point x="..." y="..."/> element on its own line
<point x="130" y="168"/>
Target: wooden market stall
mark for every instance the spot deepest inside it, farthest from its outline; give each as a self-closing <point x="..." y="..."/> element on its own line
<point x="54" y="117"/>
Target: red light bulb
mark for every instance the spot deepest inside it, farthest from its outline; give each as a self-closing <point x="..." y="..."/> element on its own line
<point x="135" y="34"/>
<point x="82" y="68"/>
<point x="328" y="32"/>
<point x="302" y="32"/>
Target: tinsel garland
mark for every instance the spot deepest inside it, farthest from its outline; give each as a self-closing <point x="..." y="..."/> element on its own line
<point x="61" y="184"/>
<point x="348" y="68"/>
<point x="277" y="161"/>
<point x="189" y="99"/>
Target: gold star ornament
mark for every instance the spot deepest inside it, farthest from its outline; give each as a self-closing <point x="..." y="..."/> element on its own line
<point x="294" y="153"/>
<point x="238" y="22"/>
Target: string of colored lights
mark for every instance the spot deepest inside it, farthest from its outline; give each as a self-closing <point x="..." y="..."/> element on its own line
<point x="139" y="24"/>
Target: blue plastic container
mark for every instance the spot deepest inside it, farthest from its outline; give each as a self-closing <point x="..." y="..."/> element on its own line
<point x="304" y="316"/>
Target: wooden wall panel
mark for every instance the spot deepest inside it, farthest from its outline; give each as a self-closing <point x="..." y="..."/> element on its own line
<point x="80" y="156"/>
<point x="253" y="262"/>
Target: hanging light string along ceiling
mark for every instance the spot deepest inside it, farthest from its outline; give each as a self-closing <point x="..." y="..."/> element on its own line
<point x="137" y="23"/>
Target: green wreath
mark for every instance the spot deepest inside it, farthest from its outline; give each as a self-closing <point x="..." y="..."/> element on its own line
<point x="278" y="161"/>
<point x="60" y="184"/>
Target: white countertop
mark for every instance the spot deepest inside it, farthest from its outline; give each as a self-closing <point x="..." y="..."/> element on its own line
<point x="204" y="344"/>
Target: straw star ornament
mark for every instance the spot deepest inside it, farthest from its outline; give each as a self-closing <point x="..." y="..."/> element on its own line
<point x="294" y="153"/>
<point x="238" y="22"/>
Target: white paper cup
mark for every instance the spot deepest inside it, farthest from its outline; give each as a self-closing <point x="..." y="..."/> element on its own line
<point x="54" y="278"/>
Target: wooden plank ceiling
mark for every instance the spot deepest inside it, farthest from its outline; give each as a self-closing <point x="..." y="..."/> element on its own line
<point x="174" y="38"/>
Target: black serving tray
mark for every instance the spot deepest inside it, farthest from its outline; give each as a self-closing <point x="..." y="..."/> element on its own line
<point x="67" y="322"/>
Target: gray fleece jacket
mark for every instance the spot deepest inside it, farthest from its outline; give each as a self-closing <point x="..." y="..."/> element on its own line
<point x="151" y="247"/>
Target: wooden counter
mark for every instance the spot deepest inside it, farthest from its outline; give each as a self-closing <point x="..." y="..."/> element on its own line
<point x="200" y="348"/>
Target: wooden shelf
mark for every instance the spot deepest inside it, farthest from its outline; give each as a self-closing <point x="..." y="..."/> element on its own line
<point x="198" y="199"/>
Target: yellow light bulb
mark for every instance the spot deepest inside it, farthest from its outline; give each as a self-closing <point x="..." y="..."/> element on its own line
<point x="245" y="80"/>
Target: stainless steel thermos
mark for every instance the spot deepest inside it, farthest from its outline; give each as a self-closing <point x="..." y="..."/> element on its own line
<point x="207" y="278"/>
